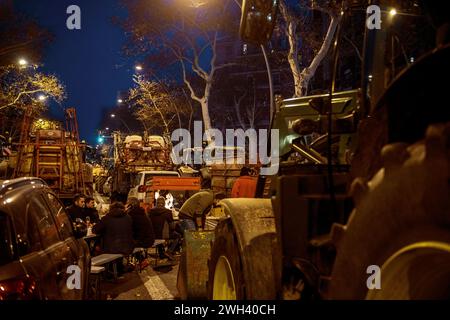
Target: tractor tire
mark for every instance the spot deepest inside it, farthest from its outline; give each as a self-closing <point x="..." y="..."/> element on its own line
<point x="401" y="224"/>
<point x="226" y="281"/>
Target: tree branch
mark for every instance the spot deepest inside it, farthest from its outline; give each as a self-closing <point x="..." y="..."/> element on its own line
<point x="19" y="96"/>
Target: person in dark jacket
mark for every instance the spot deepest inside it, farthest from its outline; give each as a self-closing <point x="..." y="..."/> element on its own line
<point x="116" y="229"/>
<point x="161" y="216"/>
<point x="76" y="210"/>
<point x="143" y="233"/>
<point x="90" y="210"/>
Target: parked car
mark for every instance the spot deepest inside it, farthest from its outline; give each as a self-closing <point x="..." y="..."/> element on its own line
<point x="144" y="179"/>
<point x="38" y="243"/>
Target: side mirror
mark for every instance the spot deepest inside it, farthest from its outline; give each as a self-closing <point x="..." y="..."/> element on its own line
<point x="79" y="229"/>
<point x="258" y="20"/>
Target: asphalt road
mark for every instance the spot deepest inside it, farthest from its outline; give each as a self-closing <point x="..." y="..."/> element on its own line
<point x="152" y="283"/>
<point x="157" y="283"/>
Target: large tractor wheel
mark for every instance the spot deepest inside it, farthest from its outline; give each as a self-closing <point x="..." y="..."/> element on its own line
<point x="401" y="224"/>
<point x="226" y="282"/>
<point x="245" y="260"/>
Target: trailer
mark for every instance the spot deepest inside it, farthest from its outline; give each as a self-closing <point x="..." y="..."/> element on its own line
<point x="55" y="155"/>
<point x="134" y="154"/>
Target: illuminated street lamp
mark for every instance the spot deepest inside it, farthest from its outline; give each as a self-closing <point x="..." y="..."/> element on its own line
<point x="121" y="120"/>
<point x="392" y="12"/>
<point x="42" y="98"/>
<point x="138" y="67"/>
<point x="23" y="62"/>
<point x="119" y="100"/>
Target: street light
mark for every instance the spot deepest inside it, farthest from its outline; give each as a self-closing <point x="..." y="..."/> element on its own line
<point x="392" y="12"/>
<point x="23" y="62"/>
<point x="42" y="98"/>
<point x="113" y="115"/>
<point x="119" y="100"/>
<point x="139" y="67"/>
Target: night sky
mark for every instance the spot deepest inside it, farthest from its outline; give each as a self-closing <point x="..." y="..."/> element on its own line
<point x="88" y="61"/>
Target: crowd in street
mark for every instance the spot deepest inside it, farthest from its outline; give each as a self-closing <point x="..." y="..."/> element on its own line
<point x="128" y="225"/>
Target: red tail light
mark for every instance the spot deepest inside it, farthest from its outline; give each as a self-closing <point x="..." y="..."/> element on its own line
<point x="142" y="188"/>
<point x="18" y="289"/>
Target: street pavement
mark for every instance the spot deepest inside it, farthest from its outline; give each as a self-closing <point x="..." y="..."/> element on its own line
<point x="152" y="283"/>
<point x="149" y="284"/>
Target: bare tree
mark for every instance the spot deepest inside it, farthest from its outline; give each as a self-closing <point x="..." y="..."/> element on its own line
<point x="246" y="108"/>
<point x="294" y="22"/>
<point x="158" y="107"/>
<point x="184" y="34"/>
<point x="20" y="87"/>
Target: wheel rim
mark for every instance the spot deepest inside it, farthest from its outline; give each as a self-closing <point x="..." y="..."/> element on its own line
<point x="224" y="286"/>
<point x="419" y="271"/>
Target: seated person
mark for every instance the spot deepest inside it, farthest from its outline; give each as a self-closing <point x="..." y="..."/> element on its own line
<point x="90" y="210"/>
<point x="76" y="210"/>
<point x="116" y="229"/>
<point x="143" y="233"/>
<point x="161" y="216"/>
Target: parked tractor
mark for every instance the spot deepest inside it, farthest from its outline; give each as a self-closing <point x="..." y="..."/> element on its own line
<point x="367" y="199"/>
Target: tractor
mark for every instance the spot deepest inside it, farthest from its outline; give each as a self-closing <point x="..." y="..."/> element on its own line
<point x="362" y="210"/>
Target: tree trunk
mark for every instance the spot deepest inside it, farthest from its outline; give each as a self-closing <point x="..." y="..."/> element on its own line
<point x="302" y="78"/>
<point x="205" y="103"/>
<point x="293" y="49"/>
<point x="205" y="115"/>
<point x="309" y="72"/>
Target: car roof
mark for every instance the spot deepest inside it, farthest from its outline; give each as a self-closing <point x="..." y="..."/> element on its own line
<point x="160" y="172"/>
<point x="8" y="185"/>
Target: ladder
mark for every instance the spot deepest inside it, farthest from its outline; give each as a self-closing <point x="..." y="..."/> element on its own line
<point x="49" y="164"/>
<point x="77" y="156"/>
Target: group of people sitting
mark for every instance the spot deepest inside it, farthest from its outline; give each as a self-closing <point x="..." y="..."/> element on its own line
<point x="83" y="208"/>
<point x="128" y="226"/>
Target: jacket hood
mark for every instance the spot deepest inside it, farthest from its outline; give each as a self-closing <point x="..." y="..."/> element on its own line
<point x="136" y="211"/>
<point x="159" y="211"/>
<point x="117" y="210"/>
